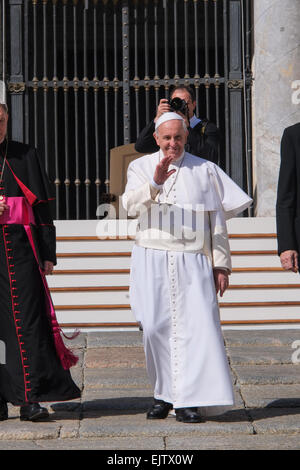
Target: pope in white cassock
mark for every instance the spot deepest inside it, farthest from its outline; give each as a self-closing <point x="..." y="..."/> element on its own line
<point x="180" y="262"/>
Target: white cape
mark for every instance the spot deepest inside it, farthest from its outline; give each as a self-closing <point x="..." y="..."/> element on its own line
<point x="199" y="183"/>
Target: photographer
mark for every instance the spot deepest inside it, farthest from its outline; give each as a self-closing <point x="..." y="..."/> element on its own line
<point x="203" y="137"/>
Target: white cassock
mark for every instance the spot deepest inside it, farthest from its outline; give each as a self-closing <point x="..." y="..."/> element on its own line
<point x="181" y="237"/>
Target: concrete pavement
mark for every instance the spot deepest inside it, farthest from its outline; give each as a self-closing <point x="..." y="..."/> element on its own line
<point x="110" y="415"/>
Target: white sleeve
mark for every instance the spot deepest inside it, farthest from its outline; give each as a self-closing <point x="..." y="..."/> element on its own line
<point x="220" y="249"/>
<point x="139" y="193"/>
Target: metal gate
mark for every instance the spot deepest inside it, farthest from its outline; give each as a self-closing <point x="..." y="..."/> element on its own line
<point x="84" y="76"/>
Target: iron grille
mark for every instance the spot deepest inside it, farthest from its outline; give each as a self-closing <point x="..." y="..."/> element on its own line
<point x="86" y="76"/>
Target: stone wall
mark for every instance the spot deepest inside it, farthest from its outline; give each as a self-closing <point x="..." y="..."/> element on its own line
<point x="276" y="69"/>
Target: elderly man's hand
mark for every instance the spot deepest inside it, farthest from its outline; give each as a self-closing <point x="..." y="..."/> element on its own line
<point x="162" y="172"/>
<point x="221" y="280"/>
<point x="3" y="207"/>
<point x="289" y="260"/>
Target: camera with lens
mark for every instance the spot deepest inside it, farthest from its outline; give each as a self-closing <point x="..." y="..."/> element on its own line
<point x="178" y="105"/>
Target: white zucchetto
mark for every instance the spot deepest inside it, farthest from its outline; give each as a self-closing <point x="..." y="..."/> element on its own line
<point x="167" y="117"/>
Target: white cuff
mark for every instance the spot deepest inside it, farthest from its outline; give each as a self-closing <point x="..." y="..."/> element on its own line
<point x="222" y="268"/>
<point x="155" y="185"/>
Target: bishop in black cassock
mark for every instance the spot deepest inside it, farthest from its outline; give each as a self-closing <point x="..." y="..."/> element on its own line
<point x="36" y="363"/>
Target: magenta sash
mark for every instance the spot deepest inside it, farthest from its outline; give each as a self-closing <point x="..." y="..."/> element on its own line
<point x="20" y="212"/>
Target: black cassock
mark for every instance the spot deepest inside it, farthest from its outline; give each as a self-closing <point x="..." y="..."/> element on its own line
<point x="31" y="369"/>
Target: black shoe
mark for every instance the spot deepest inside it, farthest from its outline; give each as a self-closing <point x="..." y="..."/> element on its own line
<point x="33" y="412"/>
<point x="188" y="415"/>
<point x="159" y="410"/>
<point x="3" y="410"/>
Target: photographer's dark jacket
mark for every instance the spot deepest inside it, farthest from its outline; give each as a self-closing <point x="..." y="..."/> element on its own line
<point x="202" y="141"/>
<point x="288" y="194"/>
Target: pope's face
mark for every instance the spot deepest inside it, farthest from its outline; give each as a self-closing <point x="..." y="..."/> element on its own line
<point x="171" y="138"/>
<point x="3" y="124"/>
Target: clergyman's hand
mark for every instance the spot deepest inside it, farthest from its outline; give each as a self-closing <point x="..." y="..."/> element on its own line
<point x="162" y="172"/>
<point x="289" y="260"/>
<point x="221" y="280"/>
<point x="48" y="267"/>
<point x="3" y="207"/>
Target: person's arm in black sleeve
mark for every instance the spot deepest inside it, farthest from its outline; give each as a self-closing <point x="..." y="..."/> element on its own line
<point x="43" y="207"/>
<point x="204" y="144"/>
<point x="145" y="142"/>
<point x="45" y="231"/>
<point x="286" y="196"/>
<point x="210" y="145"/>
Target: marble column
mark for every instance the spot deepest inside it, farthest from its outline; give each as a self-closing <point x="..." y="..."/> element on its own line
<point x="276" y="101"/>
